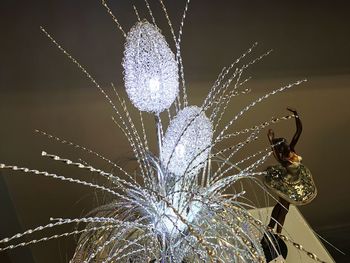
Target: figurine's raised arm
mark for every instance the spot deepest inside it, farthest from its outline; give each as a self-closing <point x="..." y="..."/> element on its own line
<point x="298" y="131"/>
<point x="271" y="137"/>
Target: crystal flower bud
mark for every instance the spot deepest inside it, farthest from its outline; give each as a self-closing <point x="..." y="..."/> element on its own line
<point x="150" y="69"/>
<point x="187" y="141"/>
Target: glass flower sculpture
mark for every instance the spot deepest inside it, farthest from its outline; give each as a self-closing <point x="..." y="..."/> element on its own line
<point x="177" y="208"/>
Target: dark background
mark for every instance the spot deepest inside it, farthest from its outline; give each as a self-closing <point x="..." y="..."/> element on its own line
<point x="41" y="89"/>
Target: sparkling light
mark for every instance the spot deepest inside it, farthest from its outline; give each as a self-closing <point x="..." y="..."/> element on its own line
<point x="169" y="223"/>
<point x="187" y="141"/>
<point x="154" y="85"/>
<point x="150" y="70"/>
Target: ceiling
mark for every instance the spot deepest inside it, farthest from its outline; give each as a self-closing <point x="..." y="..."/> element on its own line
<point x="41" y="89"/>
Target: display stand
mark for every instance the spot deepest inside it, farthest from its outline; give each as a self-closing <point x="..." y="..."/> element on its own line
<point x="297" y="229"/>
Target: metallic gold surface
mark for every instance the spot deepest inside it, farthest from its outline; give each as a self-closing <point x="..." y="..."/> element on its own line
<point x="294" y="184"/>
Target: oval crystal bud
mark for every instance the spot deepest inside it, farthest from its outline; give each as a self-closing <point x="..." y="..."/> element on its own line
<point x="187" y="142"/>
<point x="150" y="69"/>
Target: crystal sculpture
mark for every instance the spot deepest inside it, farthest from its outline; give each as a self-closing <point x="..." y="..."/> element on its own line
<point x="175" y="207"/>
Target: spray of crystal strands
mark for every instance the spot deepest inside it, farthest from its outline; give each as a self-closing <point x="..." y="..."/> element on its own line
<point x="177" y="208"/>
<point x="150" y="69"/>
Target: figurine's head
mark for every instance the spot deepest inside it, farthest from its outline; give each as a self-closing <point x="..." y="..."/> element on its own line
<point x="281" y="146"/>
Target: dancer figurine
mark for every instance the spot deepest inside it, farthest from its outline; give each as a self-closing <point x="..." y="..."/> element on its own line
<point x="290" y="179"/>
